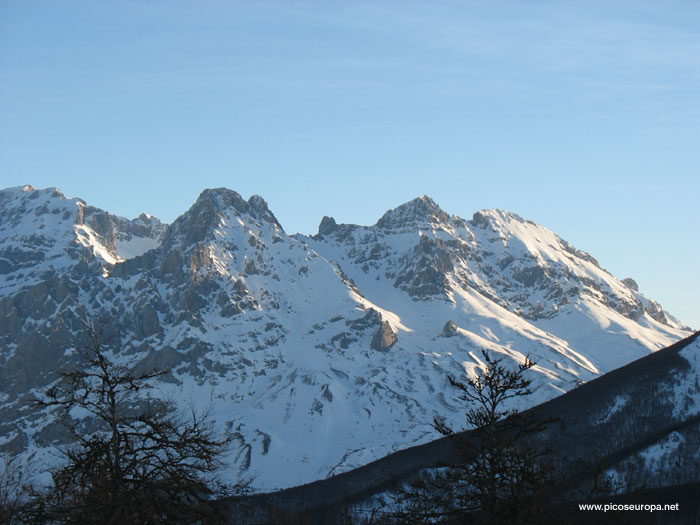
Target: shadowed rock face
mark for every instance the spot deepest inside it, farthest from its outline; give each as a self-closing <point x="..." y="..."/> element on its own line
<point x="384" y="338"/>
<point x="631" y="284"/>
<point x="423" y="273"/>
<point x="282" y="334"/>
<point x="450" y="329"/>
<point x="328" y="225"/>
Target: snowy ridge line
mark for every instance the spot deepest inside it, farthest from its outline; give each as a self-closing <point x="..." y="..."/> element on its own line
<point x="317" y="352"/>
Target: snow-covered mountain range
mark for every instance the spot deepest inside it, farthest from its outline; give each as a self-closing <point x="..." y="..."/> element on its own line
<point x="319" y="353"/>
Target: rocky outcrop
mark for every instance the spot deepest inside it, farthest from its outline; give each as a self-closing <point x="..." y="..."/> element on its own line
<point x="631" y="284"/>
<point x="449" y="330"/>
<point x="423" y="272"/>
<point x="384" y="338"/>
<point x="327" y="226"/>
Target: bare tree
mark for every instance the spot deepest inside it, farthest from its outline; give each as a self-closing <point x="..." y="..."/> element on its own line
<point x="14" y="488"/>
<point x="134" y="459"/>
<point x="501" y="473"/>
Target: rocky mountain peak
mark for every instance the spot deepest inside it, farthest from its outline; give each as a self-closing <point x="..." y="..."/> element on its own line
<point x="327" y="226"/>
<point x="205" y="215"/>
<point x="258" y="209"/>
<point x="28" y="215"/>
<point x="42" y="231"/>
<point x="147" y="218"/>
<point x="419" y="210"/>
<point x="494" y="218"/>
<point x="630" y="283"/>
<point x="29" y="196"/>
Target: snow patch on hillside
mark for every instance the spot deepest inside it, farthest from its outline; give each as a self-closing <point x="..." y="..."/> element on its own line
<point x="130" y="248"/>
<point x="686" y="392"/>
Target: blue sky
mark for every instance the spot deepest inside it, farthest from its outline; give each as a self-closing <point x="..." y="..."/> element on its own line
<point x="581" y="116"/>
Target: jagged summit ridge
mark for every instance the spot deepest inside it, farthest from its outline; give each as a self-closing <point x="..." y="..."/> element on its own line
<point x="510" y="261"/>
<point x="495" y="216"/>
<point x="42" y="231"/>
<point x="199" y="222"/>
<point x="420" y="210"/>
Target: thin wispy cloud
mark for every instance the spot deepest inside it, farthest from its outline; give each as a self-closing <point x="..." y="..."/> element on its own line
<point x="588" y="48"/>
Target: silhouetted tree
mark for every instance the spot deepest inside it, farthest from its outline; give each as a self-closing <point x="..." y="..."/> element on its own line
<point x="134" y="461"/>
<point x="14" y="489"/>
<point x="501" y="474"/>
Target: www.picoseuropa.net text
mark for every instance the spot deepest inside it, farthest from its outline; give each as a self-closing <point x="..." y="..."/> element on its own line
<point x="647" y="507"/>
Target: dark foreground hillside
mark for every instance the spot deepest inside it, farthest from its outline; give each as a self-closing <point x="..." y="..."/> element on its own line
<point x="640" y="423"/>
